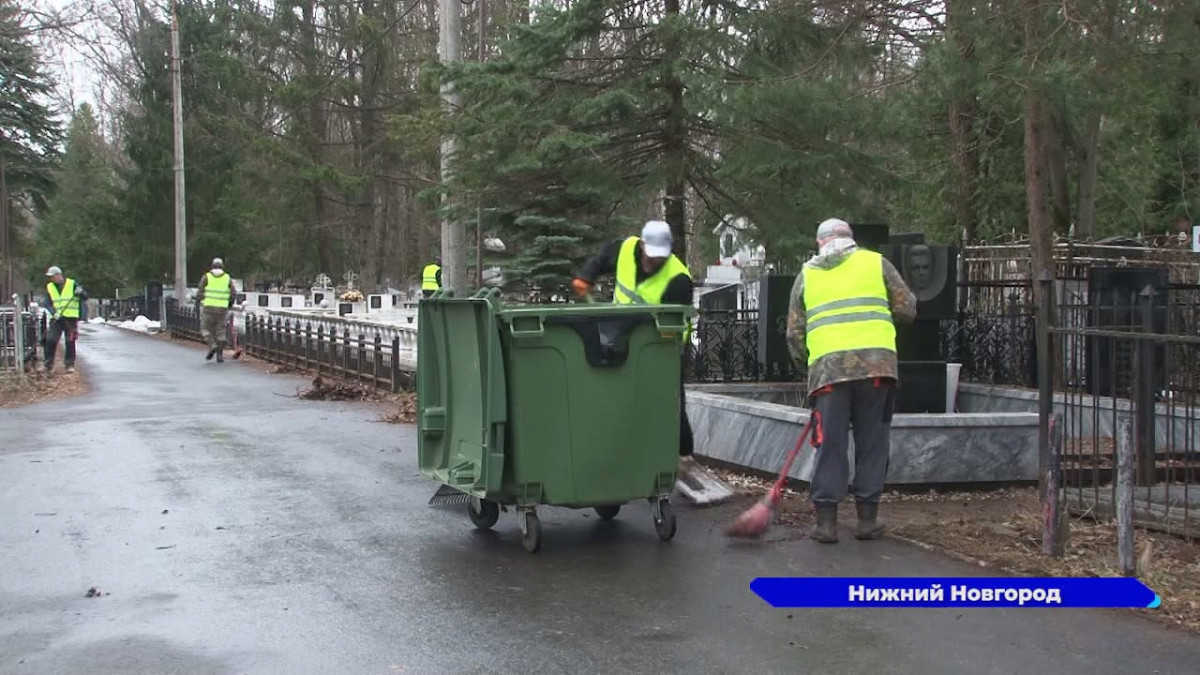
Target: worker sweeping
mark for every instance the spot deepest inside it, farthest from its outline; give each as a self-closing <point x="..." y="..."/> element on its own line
<point x="648" y="273"/>
<point x="841" y="320"/>
<point x="65" y="297"/>
<point x="216" y="295"/>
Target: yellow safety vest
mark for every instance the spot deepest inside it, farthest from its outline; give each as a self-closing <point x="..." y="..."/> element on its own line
<point x="216" y="291"/>
<point x="429" y="280"/>
<point x="651" y="289"/>
<point x="66" y="305"/>
<point x="847" y="307"/>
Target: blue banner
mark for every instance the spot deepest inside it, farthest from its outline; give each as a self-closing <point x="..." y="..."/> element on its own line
<point x="954" y="592"/>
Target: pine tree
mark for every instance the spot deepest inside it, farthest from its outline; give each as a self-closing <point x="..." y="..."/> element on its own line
<point x="77" y="233"/>
<point x="29" y="138"/>
<point x="586" y="119"/>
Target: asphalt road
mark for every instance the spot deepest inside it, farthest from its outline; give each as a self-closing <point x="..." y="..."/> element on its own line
<point x="233" y="528"/>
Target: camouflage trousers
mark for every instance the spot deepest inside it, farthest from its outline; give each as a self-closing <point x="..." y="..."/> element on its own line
<point x="213" y="326"/>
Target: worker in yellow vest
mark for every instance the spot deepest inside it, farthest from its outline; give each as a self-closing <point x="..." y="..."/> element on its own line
<point x="64" y="298"/>
<point x="841" y="323"/>
<point x="216" y="295"/>
<point x="646" y="272"/>
<point x="431" y="278"/>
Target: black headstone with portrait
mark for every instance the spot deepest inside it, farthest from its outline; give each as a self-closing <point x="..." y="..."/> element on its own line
<point x="906" y="238"/>
<point x="922" y="387"/>
<point x="931" y="272"/>
<point x="919" y="340"/>
<point x="871" y="236"/>
<point x="774" y="291"/>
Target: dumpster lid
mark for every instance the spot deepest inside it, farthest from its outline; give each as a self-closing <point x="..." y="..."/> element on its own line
<point x="461" y="393"/>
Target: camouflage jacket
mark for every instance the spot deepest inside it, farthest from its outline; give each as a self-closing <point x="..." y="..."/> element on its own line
<point x="857" y="364"/>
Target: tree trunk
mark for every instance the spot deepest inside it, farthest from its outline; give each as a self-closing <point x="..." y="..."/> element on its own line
<point x="675" y="149"/>
<point x="964" y="151"/>
<point x="1036" y="170"/>
<point x="1089" y="168"/>
<point x="1056" y="159"/>
<point x="370" y="213"/>
<point x="314" y="138"/>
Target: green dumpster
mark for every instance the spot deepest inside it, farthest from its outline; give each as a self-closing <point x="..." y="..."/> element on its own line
<point x="558" y="405"/>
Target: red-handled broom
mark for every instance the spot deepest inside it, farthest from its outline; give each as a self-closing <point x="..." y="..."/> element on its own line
<point x="237" y="348"/>
<point x="755" y="521"/>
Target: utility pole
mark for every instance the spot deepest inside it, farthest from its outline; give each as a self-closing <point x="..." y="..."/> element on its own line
<point x="177" y="105"/>
<point x="8" y="258"/>
<point x="479" y="207"/>
<point x="454" y="234"/>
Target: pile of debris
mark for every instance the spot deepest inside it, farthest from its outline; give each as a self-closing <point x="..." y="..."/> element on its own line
<point x="323" y="389"/>
<point x="405" y="411"/>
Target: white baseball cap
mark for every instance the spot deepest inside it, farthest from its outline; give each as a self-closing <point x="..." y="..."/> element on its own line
<point x="656" y="239"/>
<point x="53" y="270"/>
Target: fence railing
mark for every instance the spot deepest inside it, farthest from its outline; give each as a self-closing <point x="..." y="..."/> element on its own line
<point x="383" y="356"/>
<point x="21" y="334"/>
<point x="725" y="347"/>
<point x="996" y="348"/>
<point x="1119" y="403"/>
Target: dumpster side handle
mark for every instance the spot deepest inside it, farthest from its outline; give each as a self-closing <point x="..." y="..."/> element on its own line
<point x="528" y="327"/>
<point x="670" y="322"/>
<point x="435" y="421"/>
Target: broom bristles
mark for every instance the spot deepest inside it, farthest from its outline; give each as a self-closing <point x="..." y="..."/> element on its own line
<point x="752" y="523"/>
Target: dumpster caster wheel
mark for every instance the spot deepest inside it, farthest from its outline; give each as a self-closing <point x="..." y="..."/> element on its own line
<point x="531" y="531"/>
<point x="483" y="513"/>
<point x="664" y="519"/>
<point x="608" y="512"/>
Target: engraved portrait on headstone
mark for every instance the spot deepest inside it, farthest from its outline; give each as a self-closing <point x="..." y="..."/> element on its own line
<point x="924" y="270"/>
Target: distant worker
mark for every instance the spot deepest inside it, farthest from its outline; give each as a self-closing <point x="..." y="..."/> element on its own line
<point x="431" y="278"/>
<point x="216" y="295"/>
<point x="647" y="273"/>
<point x="841" y="314"/>
<point x="63" y="297"/>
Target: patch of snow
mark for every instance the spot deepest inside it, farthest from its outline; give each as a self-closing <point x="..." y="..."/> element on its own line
<point x="97" y="319"/>
<point x="141" y="324"/>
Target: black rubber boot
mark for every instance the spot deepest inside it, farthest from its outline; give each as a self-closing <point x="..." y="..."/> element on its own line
<point x="868" y="525"/>
<point x="212" y="351"/>
<point x="220" y="353"/>
<point x="825" y="531"/>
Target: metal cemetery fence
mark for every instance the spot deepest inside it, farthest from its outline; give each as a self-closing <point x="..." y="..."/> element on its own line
<point x="725" y="348"/>
<point x="20" y="336"/>
<point x="994" y="340"/>
<point x="378" y="355"/>
<point x="1120" y="409"/>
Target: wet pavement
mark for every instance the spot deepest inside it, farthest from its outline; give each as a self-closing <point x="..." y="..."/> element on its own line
<point x="233" y="528"/>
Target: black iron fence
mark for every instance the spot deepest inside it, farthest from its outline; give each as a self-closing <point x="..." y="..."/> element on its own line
<point x="724" y="347"/>
<point x="362" y="357"/>
<point x="1119" y="398"/>
<point x="995" y="344"/>
<point x="124" y="308"/>
<point x="183" y="321"/>
<point x="378" y="356"/>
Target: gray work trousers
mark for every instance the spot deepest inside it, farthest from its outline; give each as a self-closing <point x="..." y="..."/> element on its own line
<point x="867" y="406"/>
